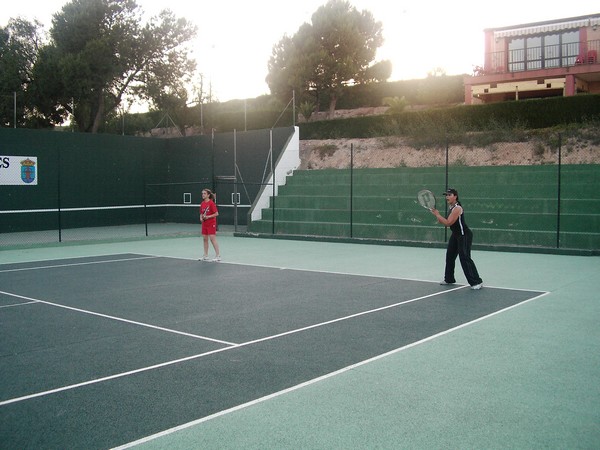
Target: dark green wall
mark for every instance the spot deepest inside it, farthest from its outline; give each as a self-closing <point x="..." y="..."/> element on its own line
<point x="78" y="170"/>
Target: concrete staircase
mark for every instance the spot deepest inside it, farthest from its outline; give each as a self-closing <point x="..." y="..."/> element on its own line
<point x="514" y="206"/>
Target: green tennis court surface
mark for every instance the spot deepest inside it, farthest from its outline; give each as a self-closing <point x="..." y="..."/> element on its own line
<point x="101" y="351"/>
<point x="160" y="356"/>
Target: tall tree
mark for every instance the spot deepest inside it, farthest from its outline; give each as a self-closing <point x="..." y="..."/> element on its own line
<point x="335" y="50"/>
<point x="379" y="72"/>
<point x="19" y="44"/>
<point x="101" y="51"/>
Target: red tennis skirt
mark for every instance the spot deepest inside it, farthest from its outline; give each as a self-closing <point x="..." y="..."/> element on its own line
<point x="209" y="227"/>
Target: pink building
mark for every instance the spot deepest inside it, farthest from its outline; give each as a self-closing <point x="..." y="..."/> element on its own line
<point x="542" y="59"/>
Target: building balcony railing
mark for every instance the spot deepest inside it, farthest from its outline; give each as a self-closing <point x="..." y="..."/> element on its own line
<point x="536" y="58"/>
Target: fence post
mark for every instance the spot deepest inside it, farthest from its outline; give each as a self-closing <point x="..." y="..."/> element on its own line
<point x="273" y="179"/>
<point x="145" y="188"/>
<point x="59" y="199"/>
<point x="351" y="185"/>
<point x="447" y="180"/>
<point x="558" y="191"/>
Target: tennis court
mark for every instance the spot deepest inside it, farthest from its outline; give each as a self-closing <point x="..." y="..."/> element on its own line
<point x="292" y="344"/>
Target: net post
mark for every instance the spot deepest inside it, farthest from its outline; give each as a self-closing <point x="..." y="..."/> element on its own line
<point x="235" y="186"/>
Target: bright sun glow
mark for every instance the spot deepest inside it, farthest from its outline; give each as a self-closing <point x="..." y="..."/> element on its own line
<point x="236" y="37"/>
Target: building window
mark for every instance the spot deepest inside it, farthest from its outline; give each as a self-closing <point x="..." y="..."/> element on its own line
<point x="569" y="48"/>
<point x="544" y="51"/>
<point x="552" y="50"/>
<point x="516" y="55"/>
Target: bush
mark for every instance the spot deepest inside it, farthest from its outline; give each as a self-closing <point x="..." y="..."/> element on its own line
<point x="507" y="120"/>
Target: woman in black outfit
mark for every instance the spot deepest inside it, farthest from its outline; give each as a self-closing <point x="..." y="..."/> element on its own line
<point x="459" y="243"/>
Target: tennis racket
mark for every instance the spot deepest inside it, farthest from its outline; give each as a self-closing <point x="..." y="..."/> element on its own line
<point x="426" y="199"/>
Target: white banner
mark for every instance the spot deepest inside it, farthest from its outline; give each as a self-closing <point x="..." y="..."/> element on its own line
<point x="18" y="170"/>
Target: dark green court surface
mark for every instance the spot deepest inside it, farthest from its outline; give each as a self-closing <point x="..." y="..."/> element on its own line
<point x="97" y="352"/>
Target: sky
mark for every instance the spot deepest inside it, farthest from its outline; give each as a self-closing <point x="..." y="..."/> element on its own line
<point x="236" y="37"/>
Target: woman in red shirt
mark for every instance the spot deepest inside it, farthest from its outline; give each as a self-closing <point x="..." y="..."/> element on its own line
<point x="208" y="219"/>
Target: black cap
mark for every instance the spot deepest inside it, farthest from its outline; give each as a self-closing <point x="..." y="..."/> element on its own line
<point x="451" y="192"/>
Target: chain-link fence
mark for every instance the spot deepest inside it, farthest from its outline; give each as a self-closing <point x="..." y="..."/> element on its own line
<point x="77" y="187"/>
<point x="535" y="193"/>
<point x="166" y="209"/>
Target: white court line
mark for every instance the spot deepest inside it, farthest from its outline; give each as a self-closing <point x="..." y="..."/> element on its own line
<point x="233" y="346"/>
<point x="154" y="256"/>
<point x="18" y="304"/>
<point x="76" y="264"/>
<point x="110" y="377"/>
<point x="58" y="305"/>
<point x="298" y="269"/>
<point x="120" y="319"/>
<point x="314" y="380"/>
<point x="351" y="316"/>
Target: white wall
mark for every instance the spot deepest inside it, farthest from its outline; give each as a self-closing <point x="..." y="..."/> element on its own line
<point x="288" y="161"/>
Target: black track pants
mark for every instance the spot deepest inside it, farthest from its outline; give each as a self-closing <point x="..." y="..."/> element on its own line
<point x="461" y="246"/>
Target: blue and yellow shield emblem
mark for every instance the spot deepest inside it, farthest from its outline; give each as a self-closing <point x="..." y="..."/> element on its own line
<point x="28" y="170"/>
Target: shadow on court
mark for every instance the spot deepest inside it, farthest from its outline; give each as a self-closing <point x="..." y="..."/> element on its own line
<point x="98" y="352"/>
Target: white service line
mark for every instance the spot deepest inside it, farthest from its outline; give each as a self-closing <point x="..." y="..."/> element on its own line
<point x="76" y="264"/>
<point x="334" y="272"/>
<point x="351" y="316"/>
<point x="188" y="358"/>
<point x="17" y="304"/>
<point x="110" y="377"/>
<point x="120" y="319"/>
<point x="313" y="381"/>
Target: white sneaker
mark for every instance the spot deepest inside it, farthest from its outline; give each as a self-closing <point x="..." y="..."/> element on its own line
<point x="476" y="287"/>
<point x="204" y="258"/>
<point x="216" y="259"/>
<point x="445" y="283"/>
